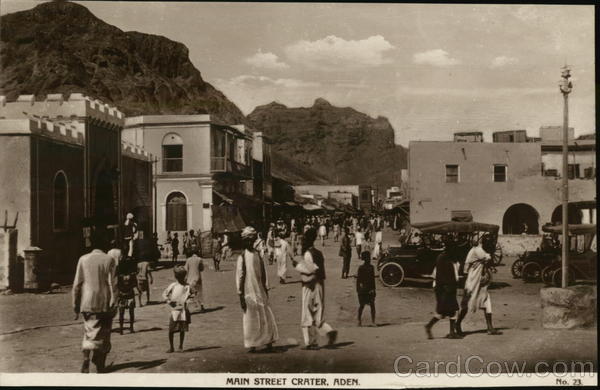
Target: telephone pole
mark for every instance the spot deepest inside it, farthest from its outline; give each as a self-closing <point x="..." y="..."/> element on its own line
<point x="565" y="88"/>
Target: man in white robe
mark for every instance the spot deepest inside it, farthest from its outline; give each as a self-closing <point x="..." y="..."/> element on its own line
<point x="194" y="267"/>
<point x="282" y="253"/>
<point x="258" y="320"/>
<point x="312" y="270"/>
<point x="476" y="295"/>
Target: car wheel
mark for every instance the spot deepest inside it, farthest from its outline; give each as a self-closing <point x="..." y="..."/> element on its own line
<point x="517" y="268"/>
<point x="557" y="278"/>
<point x="497" y="255"/>
<point x="531" y="272"/>
<point x="391" y="274"/>
<point x="547" y="274"/>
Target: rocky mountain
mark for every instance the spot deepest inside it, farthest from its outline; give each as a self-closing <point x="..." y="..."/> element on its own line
<point x="61" y="47"/>
<point x="344" y="145"/>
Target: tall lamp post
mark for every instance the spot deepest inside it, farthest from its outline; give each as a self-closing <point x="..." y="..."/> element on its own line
<point x="565" y="88"/>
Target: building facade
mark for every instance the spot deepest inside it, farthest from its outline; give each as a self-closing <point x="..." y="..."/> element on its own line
<point x="498" y="183"/>
<point x="362" y="192"/>
<point x="63" y="169"/>
<point x="200" y="164"/>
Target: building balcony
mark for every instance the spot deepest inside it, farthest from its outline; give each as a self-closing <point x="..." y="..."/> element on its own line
<point x="225" y="165"/>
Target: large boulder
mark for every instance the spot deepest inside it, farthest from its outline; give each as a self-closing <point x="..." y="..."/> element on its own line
<point x="567" y="308"/>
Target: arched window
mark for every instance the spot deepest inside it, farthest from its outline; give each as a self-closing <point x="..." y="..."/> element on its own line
<point x="172" y="153"/>
<point x="520" y="218"/>
<point x="176" y="212"/>
<point x="60" y="201"/>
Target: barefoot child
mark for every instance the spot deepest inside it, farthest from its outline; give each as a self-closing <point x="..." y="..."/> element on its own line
<point x="177" y="295"/>
<point x="144" y="279"/>
<point x="126" y="285"/>
<point x="365" y="286"/>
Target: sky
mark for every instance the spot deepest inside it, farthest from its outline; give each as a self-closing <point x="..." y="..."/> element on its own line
<point x="431" y="69"/>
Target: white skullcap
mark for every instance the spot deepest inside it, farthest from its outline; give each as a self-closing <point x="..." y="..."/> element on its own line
<point x="129" y="216"/>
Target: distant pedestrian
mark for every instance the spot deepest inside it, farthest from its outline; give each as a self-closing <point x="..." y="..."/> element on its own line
<point x="282" y="254"/>
<point x="94" y="297"/>
<point x="175" y="248"/>
<point x="225" y="247"/>
<point x="345" y="253"/>
<point x="378" y="240"/>
<point x="312" y="270"/>
<point x="259" y="326"/>
<point x="445" y="285"/>
<point x="177" y="295"/>
<point x="322" y="232"/>
<point x="129" y="235"/>
<point x="144" y="279"/>
<point x="217" y="252"/>
<point x="194" y="267"/>
<point x="365" y="287"/>
<point x="360" y="238"/>
<point x="336" y="231"/>
<point x="126" y="285"/>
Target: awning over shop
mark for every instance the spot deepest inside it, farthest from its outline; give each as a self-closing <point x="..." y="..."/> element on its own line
<point x="227" y="218"/>
<point x="223" y="198"/>
<point x="311" y="207"/>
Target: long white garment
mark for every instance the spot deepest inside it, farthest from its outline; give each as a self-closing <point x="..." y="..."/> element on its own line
<point x="282" y="253"/>
<point x="194" y="267"/>
<point x="313" y="303"/>
<point x="258" y="319"/>
<point x="479" y="295"/>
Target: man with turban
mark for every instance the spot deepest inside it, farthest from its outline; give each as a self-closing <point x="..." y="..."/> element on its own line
<point x="259" y="324"/>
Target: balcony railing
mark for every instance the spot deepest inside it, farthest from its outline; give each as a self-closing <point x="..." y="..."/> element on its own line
<point x="223" y="164"/>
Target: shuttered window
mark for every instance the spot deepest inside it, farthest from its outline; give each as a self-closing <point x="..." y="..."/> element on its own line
<point x="176" y="212"/>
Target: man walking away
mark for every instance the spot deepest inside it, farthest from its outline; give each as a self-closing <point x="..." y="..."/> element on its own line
<point x="345" y="253"/>
<point x="194" y="267"/>
<point x="365" y="287"/>
<point x="94" y="297"/>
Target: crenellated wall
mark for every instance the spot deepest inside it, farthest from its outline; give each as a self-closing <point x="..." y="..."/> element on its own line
<point x="55" y="106"/>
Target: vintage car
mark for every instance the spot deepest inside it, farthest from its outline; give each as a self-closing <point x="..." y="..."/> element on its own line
<point x="583" y="256"/>
<point x="530" y="264"/>
<point x="417" y="260"/>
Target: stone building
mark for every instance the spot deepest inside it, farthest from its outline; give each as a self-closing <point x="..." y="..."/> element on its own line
<point x="499" y="183"/>
<point x="63" y="164"/>
<point x="362" y="192"/>
<point x="201" y="165"/>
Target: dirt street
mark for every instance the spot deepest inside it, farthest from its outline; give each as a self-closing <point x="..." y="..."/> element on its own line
<point x="38" y="331"/>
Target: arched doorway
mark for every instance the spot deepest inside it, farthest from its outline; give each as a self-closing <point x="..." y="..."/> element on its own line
<point x="176" y="218"/>
<point x="575" y="215"/>
<point x="520" y="218"/>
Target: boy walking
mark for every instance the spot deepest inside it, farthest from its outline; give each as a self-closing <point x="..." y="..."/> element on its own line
<point x="126" y="284"/>
<point x="177" y="295"/>
<point x="365" y="287"/>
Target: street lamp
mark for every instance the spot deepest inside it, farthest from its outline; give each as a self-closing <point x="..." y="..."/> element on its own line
<point x="565" y="88"/>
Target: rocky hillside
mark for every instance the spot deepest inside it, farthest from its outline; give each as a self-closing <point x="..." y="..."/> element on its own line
<point x="344" y="145"/>
<point x="61" y="47"/>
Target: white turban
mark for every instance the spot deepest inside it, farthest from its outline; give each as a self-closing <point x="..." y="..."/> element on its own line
<point x="249" y="232"/>
<point x="129" y="216"/>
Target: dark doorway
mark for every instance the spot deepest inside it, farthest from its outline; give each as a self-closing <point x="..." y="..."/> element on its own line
<point x="575" y="215"/>
<point x="520" y="218"/>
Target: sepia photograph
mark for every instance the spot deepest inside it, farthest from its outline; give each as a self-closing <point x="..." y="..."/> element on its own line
<point x="297" y="194"/>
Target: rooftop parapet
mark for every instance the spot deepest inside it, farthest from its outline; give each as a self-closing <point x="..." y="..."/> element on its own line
<point x="71" y="132"/>
<point x="55" y="106"/>
<point x="135" y="151"/>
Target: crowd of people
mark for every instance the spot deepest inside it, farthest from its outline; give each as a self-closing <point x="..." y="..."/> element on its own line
<point x="108" y="278"/>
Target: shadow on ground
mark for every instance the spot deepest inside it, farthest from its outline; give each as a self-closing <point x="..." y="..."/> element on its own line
<point x="140" y="365"/>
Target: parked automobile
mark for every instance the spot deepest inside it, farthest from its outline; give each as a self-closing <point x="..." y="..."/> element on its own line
<point x="583" y="255"/>
<point x="533" y="266"/>
<point x="416" y="259"/>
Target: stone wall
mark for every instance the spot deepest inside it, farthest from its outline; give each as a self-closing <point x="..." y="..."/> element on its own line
<point x="514" y="245"/>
